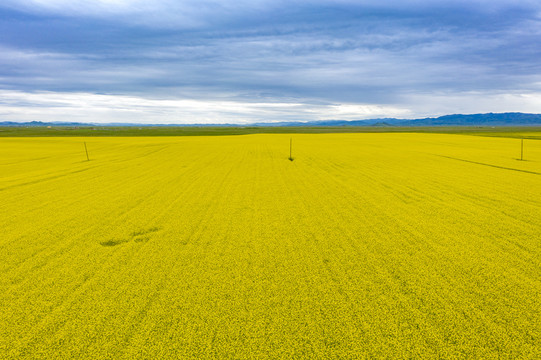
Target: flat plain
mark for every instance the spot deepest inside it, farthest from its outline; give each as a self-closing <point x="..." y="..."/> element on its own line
<point x="367" y="245"/>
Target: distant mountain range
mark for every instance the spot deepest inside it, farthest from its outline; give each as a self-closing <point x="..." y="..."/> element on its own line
<point x="490" y="119"/>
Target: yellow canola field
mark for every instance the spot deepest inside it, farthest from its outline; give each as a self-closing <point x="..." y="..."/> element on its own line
<point x="365" y="246"/>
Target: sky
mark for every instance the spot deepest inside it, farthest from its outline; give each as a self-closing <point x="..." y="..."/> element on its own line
<point x="245" y="61"/>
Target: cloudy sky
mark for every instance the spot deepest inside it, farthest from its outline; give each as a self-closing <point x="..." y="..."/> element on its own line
<point x="242" y="61"/>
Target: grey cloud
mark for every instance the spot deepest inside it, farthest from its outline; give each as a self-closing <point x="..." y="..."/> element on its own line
<point x="313" y="52"/>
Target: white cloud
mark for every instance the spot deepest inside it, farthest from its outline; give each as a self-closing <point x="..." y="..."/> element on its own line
<point x="100" y="108"/>
<point x="97" y="108"/>
<point x="440" y="103"/>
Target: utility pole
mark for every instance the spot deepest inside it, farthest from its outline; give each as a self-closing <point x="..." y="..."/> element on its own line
<point x="86" y="151"/>
<point x="290" y="147"/>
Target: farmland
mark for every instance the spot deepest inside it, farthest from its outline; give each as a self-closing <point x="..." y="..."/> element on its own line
<point x="367" y="245"/>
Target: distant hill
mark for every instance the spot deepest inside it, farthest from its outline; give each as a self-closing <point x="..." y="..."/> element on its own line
<point x="489" y="119"/>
